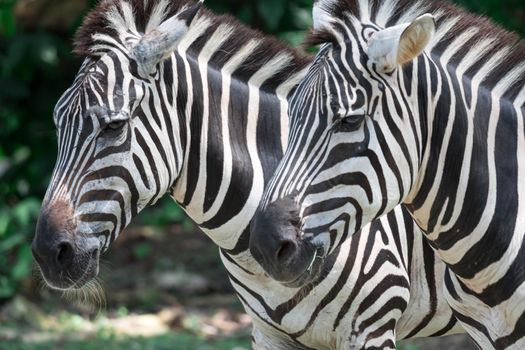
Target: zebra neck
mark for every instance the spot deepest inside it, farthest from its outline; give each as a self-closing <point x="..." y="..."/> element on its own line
<point x="236" y="123"/>
<point x="471" y="176"/>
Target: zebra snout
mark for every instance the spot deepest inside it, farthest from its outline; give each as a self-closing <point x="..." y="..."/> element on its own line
<point x="65" y="258"/>
<point x="275" y="240"/>
<point x="60" y="254"/>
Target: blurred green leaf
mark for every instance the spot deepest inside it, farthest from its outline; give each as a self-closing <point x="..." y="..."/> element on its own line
<point x="4" y="222"/>
<point x="165" y="212"/>
<point x="26" y="210"/>
<point x="245" y="13"/>
<point x="293" y="38"/>
<point x="272" y="12"/>
<point x="7" y="22"/>
<point x="142" y="250"/>
<point x="11" y="242"/>
<point x="22" y="267"/>
<point x="302" y="16"/>
<point x="7" y="287"/>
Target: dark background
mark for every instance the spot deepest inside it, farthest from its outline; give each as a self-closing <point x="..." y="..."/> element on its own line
<point x="36" y="66"/>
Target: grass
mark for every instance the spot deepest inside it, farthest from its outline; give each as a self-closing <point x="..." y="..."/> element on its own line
<point x="26" y="326"/>
<point x="170" y="341"/>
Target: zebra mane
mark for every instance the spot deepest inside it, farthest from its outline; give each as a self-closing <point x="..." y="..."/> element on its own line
<point x="480" y="37"/>
<point x="111" y="20"/>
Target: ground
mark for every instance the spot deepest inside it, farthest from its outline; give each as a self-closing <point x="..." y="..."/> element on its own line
<point x="165" y="289"/>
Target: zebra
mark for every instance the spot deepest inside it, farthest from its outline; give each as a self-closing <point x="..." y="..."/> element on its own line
<point x="422" y="104"/>
<point x="173" y="99"/>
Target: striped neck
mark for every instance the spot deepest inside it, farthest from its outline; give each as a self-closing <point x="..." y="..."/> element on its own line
<point x="231" y="87"/>
<point x="469" y="113"/>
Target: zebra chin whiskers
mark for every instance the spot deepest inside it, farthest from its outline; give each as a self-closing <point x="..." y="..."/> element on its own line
<point x="36" y="273"/>
<point x="91" y="295"/>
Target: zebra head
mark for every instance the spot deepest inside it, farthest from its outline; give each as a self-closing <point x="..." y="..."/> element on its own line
<point x="345" y="164"/>
<point x="111" y="163"/>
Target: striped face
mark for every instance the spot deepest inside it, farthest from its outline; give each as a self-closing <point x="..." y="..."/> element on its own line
<point x="111" y="157"/>
<point x="352" y="154"/>
<point x="119" y="150"/>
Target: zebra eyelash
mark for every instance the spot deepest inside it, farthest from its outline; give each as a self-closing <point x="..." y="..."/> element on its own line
<point x="115" y="121"/>
<point x="349" y="121"/>
<point x="109" y="120"/>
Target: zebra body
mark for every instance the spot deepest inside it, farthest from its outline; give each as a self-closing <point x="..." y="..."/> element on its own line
<point x="401" y="106"/>
<point x="205" y="120"/>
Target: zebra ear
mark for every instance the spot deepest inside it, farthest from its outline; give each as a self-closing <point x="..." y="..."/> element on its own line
<point x="321" y="13"/>
<point x="159" y="43"/>
<point x="397" y="45"/>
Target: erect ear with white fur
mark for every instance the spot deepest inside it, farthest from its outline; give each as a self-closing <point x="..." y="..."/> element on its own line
<point x="320" y="13"/>
<point x="397" y="45"/>
<point x="159" y="43"/>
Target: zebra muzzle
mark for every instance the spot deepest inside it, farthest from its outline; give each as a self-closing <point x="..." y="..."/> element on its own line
<point x="277" y="244"/>
<point x="66" y="259"/>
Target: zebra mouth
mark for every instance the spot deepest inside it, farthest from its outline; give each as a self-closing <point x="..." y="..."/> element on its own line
<point x="311" y="273"/>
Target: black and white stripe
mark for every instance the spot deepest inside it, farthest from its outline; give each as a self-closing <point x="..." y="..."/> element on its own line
<point x="208" y="125"/>
<point x="441" y="132"/>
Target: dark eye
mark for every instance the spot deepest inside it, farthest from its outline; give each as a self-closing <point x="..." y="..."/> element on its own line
<point x="351" y="122"/>
<point x="116" y="125"/>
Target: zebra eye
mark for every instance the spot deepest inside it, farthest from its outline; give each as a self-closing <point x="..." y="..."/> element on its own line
<point x="116" y="125"/>
<point x="351" y="122"/>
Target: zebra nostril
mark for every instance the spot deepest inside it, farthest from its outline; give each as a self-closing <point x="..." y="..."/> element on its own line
<point x="285" y="251"/>
<point x="65" y="254"/>
<point x="94" y="253"/>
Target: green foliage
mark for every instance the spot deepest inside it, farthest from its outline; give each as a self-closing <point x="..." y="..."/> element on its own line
<point x="7" y="22"/>
<point x="407" y="347"/>
<point x="32" y="73"/>
<point x="142" y="250"/>
<point x="509" y="14"/>
<point x="165" y="212"/>
<point x="15" y="253"/>
<point x="288" y="19"/>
